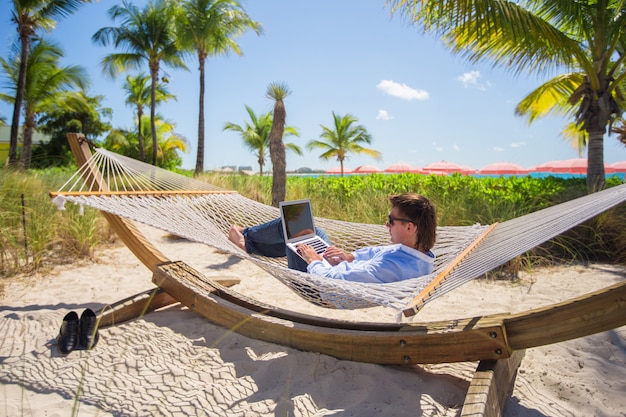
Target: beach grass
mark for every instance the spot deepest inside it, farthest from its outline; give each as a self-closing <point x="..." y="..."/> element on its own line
<point x="34" y="231"/>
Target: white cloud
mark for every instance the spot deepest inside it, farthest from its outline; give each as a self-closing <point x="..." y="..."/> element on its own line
<point x="498" y="149"/>
<point x="402" y="91"/>
<point x="470" y="79"/>
<point x="518" y="144"/>
<point x="456" y="148"/>
<point x="437" y="147"/>
<point x="383" y="115"/>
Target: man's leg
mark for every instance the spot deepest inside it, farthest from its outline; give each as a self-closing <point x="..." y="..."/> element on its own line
<point x="267" y="239"/>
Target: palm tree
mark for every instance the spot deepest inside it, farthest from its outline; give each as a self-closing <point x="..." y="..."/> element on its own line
<point x="138" y="93"/>
<point x="169" y="143"/>
<point x="209" y="27"/>
<point x="75" y="112"/>
<point x="45" y="84"/>
<point x="30" y="16"/>
<point x="148" y="37"/>
<point x="256" y="135"/>
<point x="582" y="41"/>
<point x="278" y="92"/>
<point x="343" y="139"/>
<point x="121" y="141"/>
<point x="620" y="130"/>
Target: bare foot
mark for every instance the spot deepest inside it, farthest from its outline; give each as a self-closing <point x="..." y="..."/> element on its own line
<point x="235" y="235"/>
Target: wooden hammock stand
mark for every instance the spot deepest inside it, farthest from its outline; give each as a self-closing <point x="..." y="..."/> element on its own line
<point x="497" y="342"/>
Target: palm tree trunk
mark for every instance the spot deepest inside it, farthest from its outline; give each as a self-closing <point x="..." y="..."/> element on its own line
<point x="200" y="155"/>
<point x="29" y="127"/>
<point x="142" y="146"/>
<point x="279" y="173"/>
<point x="277" y="154"/>
<point x="595" y="162"/>
<point x="154" y="73"/>
<point x="19" y="94"/>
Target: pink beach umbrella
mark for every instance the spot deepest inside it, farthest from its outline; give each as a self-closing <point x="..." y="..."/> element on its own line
<point x="545" y="167"/>
<point x="503" y="168"/>
<point x="400" y="167"/>
<point x="468" y="170"/>
<point x="570" y="166"/>
<point x="337" y="170"/>
<point x="618" y="167"/>
<point x="366" y="169"/>
<point x="444" y="168"/>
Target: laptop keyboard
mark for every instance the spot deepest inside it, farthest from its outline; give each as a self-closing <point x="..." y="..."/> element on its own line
<point x="319" y="245"/>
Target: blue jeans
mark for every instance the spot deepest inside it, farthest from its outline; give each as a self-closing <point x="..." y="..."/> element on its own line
<point x="267" y="239"/>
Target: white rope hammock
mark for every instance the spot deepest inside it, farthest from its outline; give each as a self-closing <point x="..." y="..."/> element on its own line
<point x="201" y="212"/>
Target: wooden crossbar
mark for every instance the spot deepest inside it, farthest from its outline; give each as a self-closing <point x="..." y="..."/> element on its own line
<point x="140" y="193"/>
<point x="418" y="302"/>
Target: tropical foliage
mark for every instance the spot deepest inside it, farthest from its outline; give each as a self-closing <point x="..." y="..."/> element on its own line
<point x="255" y="135"/>
<point x="169" y="143"/>
<point x="77" y="112"/>
<point x="148" y="37"/>
<point x="342" y="139"/>
<point x="581" y="43"/>
<point x="138" y="93"/>
<point x="30" y="17"/>
<point x="46" y="83"/>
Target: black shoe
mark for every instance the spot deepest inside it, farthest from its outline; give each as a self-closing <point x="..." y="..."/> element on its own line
<point x="88" y="330"/>
<point x="67" y="340"/>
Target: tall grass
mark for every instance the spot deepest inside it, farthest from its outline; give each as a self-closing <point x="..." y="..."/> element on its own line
<point x="33" y="231"/>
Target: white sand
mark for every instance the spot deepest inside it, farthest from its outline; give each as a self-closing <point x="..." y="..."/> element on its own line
<point x="175" y="363"/>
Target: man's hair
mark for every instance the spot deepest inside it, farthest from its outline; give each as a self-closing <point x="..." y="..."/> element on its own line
<point x="422" y="213"/>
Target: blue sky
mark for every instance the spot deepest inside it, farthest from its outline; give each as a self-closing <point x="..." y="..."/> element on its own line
<point x="420" y="103"/>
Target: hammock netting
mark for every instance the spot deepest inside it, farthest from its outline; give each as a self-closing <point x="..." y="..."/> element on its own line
<point x="201" y="212"/>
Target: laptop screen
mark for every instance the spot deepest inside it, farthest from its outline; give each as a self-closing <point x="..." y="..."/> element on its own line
<point x="297" y="219"/>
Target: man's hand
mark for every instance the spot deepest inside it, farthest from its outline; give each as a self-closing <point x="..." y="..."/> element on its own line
<point x="308" y="253"/>
<point x="335" y="256"/>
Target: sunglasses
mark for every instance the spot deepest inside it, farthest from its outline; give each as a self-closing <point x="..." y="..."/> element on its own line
<point x="392" y="219"/>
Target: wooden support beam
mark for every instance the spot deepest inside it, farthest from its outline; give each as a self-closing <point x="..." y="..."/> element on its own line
<point x="138" y="305"/>
<point x="491" y="385"/>
<point x="133" y="307"/>
<point x="590" y="313"/>
<point x="464" y="340"/>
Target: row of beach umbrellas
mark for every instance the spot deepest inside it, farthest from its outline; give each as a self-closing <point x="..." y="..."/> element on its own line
<point x="569" y="166"/>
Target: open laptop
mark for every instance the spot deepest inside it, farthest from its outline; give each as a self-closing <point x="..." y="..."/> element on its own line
<point x="298" y="226"/>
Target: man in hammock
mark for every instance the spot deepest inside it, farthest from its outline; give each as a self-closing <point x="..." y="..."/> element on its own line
<point x="412" y="225"/>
